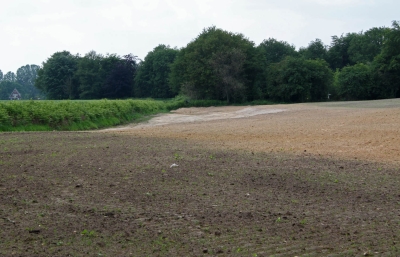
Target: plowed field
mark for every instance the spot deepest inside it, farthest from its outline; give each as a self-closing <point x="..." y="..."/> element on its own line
<point x="283" y="180"/>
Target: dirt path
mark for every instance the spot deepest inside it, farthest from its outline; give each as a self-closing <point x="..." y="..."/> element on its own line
<point x="368" y="130"/>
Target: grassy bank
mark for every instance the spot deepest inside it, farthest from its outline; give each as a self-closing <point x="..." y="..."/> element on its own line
<point x="85" y="115"/>
<point x="74" y="115"/>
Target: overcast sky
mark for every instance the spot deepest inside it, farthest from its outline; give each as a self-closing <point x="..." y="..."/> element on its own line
<point x="32" y="30"/>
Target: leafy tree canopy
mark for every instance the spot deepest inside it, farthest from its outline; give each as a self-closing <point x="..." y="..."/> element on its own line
<point x="26" y="76"/>
<point x="10" y="76"/>
<point x="366" y="45"/>
<point x="354" y="82"/>
<point x="91" y="74"/>
<point x="299" y="80"/>
<point x="119" y="82"/>
<point x="388" y="61"/>
<point x="57" y="76"/>
<point x="275" y="51"/>
<point x="338" y="53"/>
<point x="194" y="73"/>
<point x="152" y="77"/>
<point x="315" y="50"/>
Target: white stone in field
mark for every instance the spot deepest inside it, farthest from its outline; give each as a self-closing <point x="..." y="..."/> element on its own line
<point x="174" y="165"/>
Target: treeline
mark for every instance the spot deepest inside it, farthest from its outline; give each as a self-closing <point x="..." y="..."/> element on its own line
<point x="23" y="81"/>
<point x="221" y="65"/>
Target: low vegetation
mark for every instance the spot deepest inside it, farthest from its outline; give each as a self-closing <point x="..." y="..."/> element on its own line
<point x="75" y="115"/>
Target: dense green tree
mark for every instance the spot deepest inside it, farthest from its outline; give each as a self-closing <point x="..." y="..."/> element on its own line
<point x="151" y="79"/>
<point x="338" y="53"/>
<point x="366" y="45"/>
<point x="275" y="51"/>
<point x="270" y="51"/>
<point x="119" y="82"/>
<point x="26" y="76"/>
<point x="193" y="72"/>
<point x="355" y="82"/>
<point x="387" y="63"/>
<point x="10" y="76"/>
<point x="315" y="50"/>
<point x="89" y="75"/>
<point x="1" y="75"/>
<point x="56" y="78"/>
<point x="299" y="80"/>
<point x="228" y="66"/>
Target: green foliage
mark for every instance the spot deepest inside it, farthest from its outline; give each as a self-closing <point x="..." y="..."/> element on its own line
<point x="193" y="73"/>
<point x="275" y="51"/>
<point x="365" y="46"/>
<point x="23" y="81"/>
<point x="387" y="63"/>
<point x="315" y="50"/>
<point x="152" y="76"/>
<point x="36" y="115"/>
<point x="223" y="66"/>
<point x="57" y="76"/>
<point x="119" y="82"/>
<point x="91" y="74"/>
<point x="354" y="82"/>
<point x="88" y="233"/>
<point x="228" y="66"/>
<point x="26" y="77"/>
<point x="338" y="53"/>
<point x="64" y="76"/>
<point x="299" y="80"/>
<point x="74" y="115"/>
<point x="10" y="76"/>
<point x="6" y="88"/>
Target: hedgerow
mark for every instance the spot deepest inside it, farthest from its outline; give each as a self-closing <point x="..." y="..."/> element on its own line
<point x="76" y="115"/>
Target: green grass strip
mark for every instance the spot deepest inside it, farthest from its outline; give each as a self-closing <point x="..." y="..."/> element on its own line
<point x="70" y="115"/>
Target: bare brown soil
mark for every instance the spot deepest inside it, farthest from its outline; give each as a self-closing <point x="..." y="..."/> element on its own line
<point x="368" y="130"/>
<point x="243" y="185"/>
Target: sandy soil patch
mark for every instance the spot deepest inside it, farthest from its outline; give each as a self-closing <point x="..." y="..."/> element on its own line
<point x="368" y="130"/>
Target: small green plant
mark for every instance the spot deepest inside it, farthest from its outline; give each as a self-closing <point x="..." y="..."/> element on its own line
<point x="212" y="157"/>
<point x="88" y="233"/>
<point x="303" y="222"/>
<point x="210" y="174"/>
<point x="177" y="156"/>
<point x="279" y="219"/>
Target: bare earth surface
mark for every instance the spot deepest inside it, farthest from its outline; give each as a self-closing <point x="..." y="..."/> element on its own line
<point x="368" y="130"/>
<point x="284" y="180"/>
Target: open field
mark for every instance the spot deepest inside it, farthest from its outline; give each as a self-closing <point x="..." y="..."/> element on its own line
<point x="285" y="180"/>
